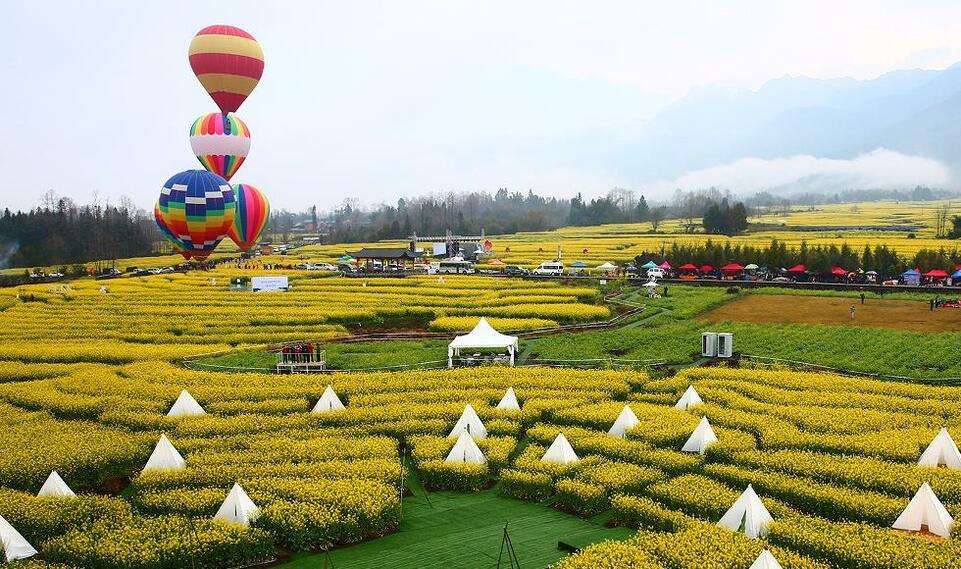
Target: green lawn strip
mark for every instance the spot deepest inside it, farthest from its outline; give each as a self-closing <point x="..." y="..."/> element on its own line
<point x="465" y="530"/>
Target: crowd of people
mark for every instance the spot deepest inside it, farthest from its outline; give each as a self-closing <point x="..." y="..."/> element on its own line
<point x="302" y="353"/>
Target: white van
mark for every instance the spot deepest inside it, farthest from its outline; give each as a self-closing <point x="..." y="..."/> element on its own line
<point x="550" y="268"/>
<point x="655" y="273"/>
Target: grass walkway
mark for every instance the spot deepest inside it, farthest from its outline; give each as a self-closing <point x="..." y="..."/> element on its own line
<point x="465" y="530"/>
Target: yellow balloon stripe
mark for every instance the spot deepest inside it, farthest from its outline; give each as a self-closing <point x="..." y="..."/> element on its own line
<point x="234" y="45"/>
<point x="214" y="82"/>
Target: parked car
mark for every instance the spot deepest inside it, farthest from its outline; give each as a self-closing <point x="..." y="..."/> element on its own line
<point x="550" y="268"/>
<point x="515" y="271"/>
<point x="655" y="273"/>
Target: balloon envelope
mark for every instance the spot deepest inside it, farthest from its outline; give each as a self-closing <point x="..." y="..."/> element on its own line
<point x="252" y="212"/>
<point x="220" y="142"/>
<point x="228" y="62"/>
<point x="195" y="209"/>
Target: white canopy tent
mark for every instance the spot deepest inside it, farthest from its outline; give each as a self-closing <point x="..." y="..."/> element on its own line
<point x="765" y="561"/>
<point x="702" y="437"/>
<point x="14" y="545"/>
<point x="608" y="266"/>
<point x="469" y="423"/>
<point x="925" y="512"/>
<point x="482" y="336"/>
<point x="466" y="450"/>
<point x="560" y="451"/>
<point x="689" y="399"/>
<point x="185" y="405"/>
<point x="328" y="402"/>
<point x="509" y="401"/>
<point x="626" y="421"/>
<point x="747" y="514"/>
<point x="942" y="452"/>
<point x="165" y="456"/>
<point x="55" y="487"/>
<point x="238" y="508"/>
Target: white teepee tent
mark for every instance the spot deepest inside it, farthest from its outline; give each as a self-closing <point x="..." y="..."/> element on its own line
<point x="14" y="545"/>
<point x="238" y="508"/>
<point x="560" y="451"/>
<point x="55" y="487"/>
<point x="470" y="423"/>
<point x="689" y="399"/>
<point x="941" y="452"/>
<point x="701" y="438"/>
<point x="747" y="514"/>
<point x="626" y="421"/>
<point x="185" y="405"/>
<point x="765" y="561"/>
<point x="925" y="512"/>
<point x="165" y="456"/>
<point x="328" y="402"/>
<point x="509" y="401"/>
<point x="465" y="450"/>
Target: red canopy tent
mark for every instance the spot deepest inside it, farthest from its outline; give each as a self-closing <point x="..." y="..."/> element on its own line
<point x="706" y="269"/>
<point x="798" y="269"/>
<point x="936" y="274"/>
<point x="687" y="267"/>
<point x="838" y="271"/>
<point x="732" y="268"/>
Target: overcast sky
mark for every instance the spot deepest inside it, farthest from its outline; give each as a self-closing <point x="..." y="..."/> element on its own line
<point x="373" y="99"/>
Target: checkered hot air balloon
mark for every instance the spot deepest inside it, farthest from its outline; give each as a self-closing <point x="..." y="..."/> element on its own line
<point x="253" y="209"/>
<point x="220" y="142"/>
<point x="195" y="211"/>
<point x="228" y="62"/>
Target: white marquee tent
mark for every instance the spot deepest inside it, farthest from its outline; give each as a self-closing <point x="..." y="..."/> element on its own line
<point x="702" y="437"/>
<point x="941" y="452"/>
<point x="14" y="544"/>
<point x="185" y="405"/>
<point x="509" y="401"/>
<point x="465" y="450"/>
<point x="560" y="451"/>
<point x="607" y="266"/>
<point x="469" y="423"/>
<point x="689" y="399"/>
<point x="55" y="487"/>
<point x="626" y="421"/>
<point x="328" y="402"/>
<point x="925" y="512"/>
<point x="165" y="456"/>
<point x="747" y="514"/>
<point x="238" y="508"/>
<point x="483" y="336"/>
<point x="765" y="561"/>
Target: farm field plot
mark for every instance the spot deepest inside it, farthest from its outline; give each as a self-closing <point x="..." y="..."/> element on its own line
<point x="910" y="315"/>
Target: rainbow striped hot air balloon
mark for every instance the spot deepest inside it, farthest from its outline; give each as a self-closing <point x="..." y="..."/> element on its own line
<point x="253" y="209"/>
<point x="195" y="212"/>
<point x="229" y="62"/>
<point x="220" y="142"/>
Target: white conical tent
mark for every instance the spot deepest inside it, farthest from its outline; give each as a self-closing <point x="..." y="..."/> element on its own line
<point x="165" y="456"/>
<point x="747" y="514"/>
<point x="689" y="399"/>
<point x="701" y="438"/>
<point x="560" y="451"/>
<point x="469" y="423"/>
<point x="765" y="561"/>
<point x="328" y="402"/>
<point x="185" y="405"/>
<point x="14" y="544"/>
<point x="925" y="512"/>
<point x="509" y="401"/>
<point x="941" y="452"/>
<point x="238" y="508"/>
<point x="626" y="421"/>
<point x="466" y="450"/>
<point x="55" y="487"/>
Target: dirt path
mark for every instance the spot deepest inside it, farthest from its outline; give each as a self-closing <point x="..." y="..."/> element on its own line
<point x="898" y="314"/>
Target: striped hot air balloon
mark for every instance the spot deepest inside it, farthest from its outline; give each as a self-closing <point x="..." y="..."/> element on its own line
<point x="253" y="209"/>
<point x="220" y="142"/>
<point x="195" y="211"/>
<point x="229" y="62"/>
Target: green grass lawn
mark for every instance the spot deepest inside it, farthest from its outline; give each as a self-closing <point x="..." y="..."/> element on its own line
<point x="465" y="530"/>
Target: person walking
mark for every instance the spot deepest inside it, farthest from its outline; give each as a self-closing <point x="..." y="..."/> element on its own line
<point x="852" y="312"/>
<point x="862" y="298"/>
